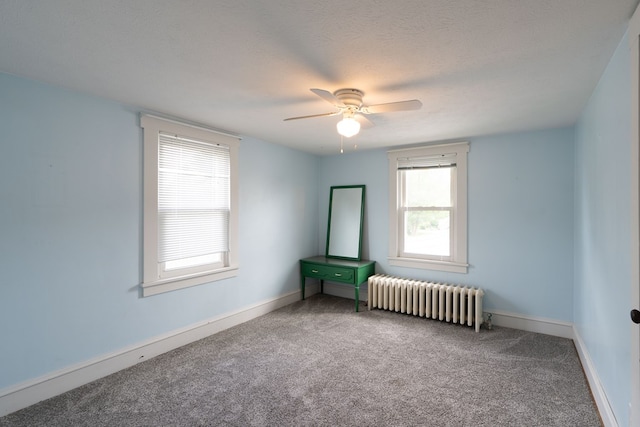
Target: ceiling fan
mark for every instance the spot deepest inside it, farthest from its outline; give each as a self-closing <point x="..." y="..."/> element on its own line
<point x="349" y="103"/>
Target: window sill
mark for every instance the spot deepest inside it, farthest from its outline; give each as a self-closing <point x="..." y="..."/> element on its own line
<point x="175" y="283"/>
<point x="426" y="264"/>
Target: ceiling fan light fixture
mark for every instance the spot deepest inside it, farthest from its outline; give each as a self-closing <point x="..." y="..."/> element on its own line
<point x="348" y="102"/>
<point x="348" y="127"/>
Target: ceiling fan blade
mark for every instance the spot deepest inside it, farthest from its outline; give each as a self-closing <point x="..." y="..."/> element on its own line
<point x="413" y="104"/>
<point x="329" y="97"/>
<point x="313" y="115"/>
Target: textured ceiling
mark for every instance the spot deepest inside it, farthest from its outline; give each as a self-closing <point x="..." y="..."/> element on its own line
<point x="479" y="67"/>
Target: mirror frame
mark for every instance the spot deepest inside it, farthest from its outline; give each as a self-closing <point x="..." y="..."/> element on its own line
<point x="361" y="225"/>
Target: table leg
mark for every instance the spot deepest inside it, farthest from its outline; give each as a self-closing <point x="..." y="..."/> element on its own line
<point x="302" y="283"/>
<point x="357" y="296"/>
<point x="322" y="286"/>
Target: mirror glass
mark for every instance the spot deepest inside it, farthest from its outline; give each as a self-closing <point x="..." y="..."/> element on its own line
<point x="346" y="213"/>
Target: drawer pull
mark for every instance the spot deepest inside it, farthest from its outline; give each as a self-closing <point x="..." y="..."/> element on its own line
<point x="314" y="271"/>
<point x="338" y="274"/>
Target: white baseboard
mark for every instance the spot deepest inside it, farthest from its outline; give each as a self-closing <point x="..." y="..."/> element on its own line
<point x="25" y="394"/>
<point x="532" y="324"/>
<point x="499" y="318"/>
<point x="599" y="395"/>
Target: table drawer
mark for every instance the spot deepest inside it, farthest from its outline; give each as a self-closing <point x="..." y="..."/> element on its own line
<point x="324" y="272"/>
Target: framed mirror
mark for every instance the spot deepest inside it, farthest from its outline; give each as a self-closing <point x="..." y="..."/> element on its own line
<point x="346" y="215"/>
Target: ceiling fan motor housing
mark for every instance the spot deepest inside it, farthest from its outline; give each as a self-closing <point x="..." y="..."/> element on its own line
<point x="350" y="97"/>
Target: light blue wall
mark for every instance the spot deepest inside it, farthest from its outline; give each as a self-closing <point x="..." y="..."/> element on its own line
<point x="520" y="219"/>
<point x="71" y="230"/>
<point x="602" y="230"/>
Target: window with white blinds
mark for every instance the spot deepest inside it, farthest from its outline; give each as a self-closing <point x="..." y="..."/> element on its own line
<point x="190" y="205"/>
<point x="193" y="199"/>
<point x="427" y="207"/>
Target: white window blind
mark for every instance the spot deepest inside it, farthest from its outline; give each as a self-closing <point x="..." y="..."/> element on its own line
<point x="193" y="198"/>
<point x="442" y="160"/>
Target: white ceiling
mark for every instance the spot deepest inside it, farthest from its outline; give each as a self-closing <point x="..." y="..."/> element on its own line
<point x="479" y="67"/>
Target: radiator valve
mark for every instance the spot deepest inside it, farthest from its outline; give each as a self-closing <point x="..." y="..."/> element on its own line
<point x="488" y="321"/>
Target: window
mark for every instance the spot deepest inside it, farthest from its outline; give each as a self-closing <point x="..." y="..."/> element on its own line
<point x="190" y="205"/>
<point x="428" y="207"/>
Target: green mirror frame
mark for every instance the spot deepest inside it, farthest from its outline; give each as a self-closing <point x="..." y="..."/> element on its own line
<point x="346" y="222"/>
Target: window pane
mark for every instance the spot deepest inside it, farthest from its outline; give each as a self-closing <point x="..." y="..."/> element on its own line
<point x="428" y="187"/>
<point x="427" y="232"/>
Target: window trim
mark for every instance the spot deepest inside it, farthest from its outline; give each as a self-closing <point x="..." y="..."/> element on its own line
<point x="151" y="283"/>
<point x="458" y="262"/>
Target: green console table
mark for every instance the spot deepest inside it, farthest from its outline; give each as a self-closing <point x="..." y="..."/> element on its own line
<point x="337" y="270"/>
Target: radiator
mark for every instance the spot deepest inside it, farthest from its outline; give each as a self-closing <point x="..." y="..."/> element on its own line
<point x="450" y="303"/>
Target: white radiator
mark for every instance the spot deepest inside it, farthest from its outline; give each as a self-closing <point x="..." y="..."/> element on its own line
<point x="450" y="303"/>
